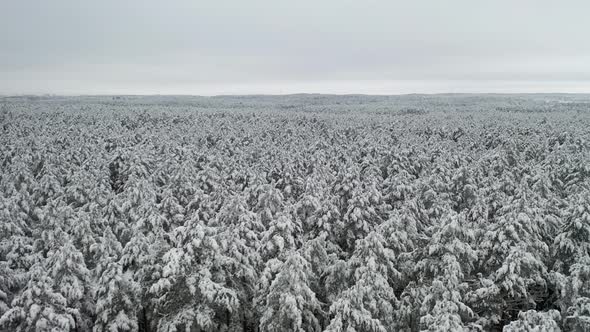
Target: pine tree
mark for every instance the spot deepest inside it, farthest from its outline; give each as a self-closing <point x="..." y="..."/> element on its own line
<point x="513" y="254"/>
<point x="289" y="303"/>
<point x="328" y="219"/>
<point x="401" y="233"/>
<point x="573" y="241"/>
<point x="57" y="294"/>
<point x="172" y="211"/>
<point x="398" y="188"/>
<point x="578" y="315"/>
<point x="238" y="238"/>
<point x="82" y="232"/>
<point x="192" y="290"/>
<point x="446" y="261"/>
<point x="320" y="254"/>
<point x="117" y="301"/>
<point x="532" y="320"/>
<point x="107" y="249"/>
<point x="571" y="251"/>
<point x="16" y="254"/>
<point x="511" y="287"/>
<point x="368" y="304"/>
<point x="283" y="234"/>
<point x="40" y="307"/>
<point x="361" y="215"/>
<point x="267" y="202"/>
<point x="65" y="264"/>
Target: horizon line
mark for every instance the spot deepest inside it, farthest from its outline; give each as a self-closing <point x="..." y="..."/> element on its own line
<point x="57" y="95"/>
<point x="279" y="88"/>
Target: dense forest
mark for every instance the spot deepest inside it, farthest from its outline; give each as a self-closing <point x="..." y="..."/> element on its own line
<point x="295" y="213"/>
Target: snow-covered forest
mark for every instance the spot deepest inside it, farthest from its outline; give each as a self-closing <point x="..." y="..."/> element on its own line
<point x="295" y="213"/>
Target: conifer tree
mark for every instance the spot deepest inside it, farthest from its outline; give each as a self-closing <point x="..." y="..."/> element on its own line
<point x="289" y="303"/>
<point x="117" y="301"/>
<point x="532" y="320"/>
<point x="192" y="291"/>
<point x="40" y="307"/>
<point x="369" y="301"/>
<point x="447" y="260"/>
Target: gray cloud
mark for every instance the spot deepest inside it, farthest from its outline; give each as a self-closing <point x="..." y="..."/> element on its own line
<point x="210" y="47"/>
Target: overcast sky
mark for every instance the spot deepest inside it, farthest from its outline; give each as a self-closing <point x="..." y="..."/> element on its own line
<point x="273" y="46"/>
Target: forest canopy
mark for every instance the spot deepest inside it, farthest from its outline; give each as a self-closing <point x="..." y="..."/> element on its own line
<point x="295" y="213"/>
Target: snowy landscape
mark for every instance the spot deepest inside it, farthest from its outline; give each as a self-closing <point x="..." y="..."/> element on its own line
<point x="295" y="213"/>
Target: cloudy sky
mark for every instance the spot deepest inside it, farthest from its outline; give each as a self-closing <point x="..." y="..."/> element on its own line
<point x="273" y="46"/>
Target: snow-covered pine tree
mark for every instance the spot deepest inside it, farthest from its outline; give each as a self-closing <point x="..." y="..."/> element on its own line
<point x="533" y="320"/>
<point x="116" y="218"/>
<point x="282" y="235"/>
<point x="327" y="219"/>
<point x="320" y="254"/>
<point x="117" y="301"/>
<point x="401" y="233"/>
<point x="463" y="189"/>
<point x="442" y="268"/>
<point x="105" y="250"/>
<point x="57" y="295"/>
<point x="361" y="215"/>
<point x="573" y="241"/>
<point x="40" y="307"/>
<point x="171" y="210"/>
<point x="578" y="315"/>
<point x="289" y="303"/>
<point x="369" y="302"/>
<point x="306" y="211"/>
<point x="65" y="264"/>
<point x="142" y="256"/>
<point x="192" y="291"/>
<point x="513" y="254"/>
<point x="16" y="253"/>
<point x="398" y="188"/>
<point x="235" y="217"/>
<point x="82" y="227"/>
<point x="239" y="235"/>
<point x="267" y="201"/>
<point x="571" y="253"/>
